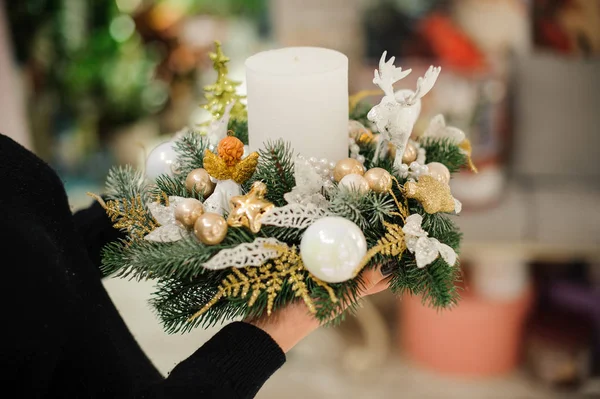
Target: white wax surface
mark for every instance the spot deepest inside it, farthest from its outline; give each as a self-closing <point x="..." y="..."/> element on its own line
<point x="299" y="94"/>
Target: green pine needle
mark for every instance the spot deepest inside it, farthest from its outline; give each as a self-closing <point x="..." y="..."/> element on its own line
<point x="445" y="152"/>
<point x="190" y="150"/>
<point x="125" y="182"/>
<point x="275" y="169"/>
<point x="239" y="127"/>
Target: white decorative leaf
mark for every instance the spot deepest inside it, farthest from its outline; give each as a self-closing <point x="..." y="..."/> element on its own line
<point x="297" y="216"/>
<point x="457" y="206"/>
<point x="248" y="254"/>
<point x="412" y="226"/>
<point x="167" y="233"/>
<point x="437" y="129"/>
<point x="426" y="251"/>
<point x="448" y="254"/>
<point x="164" y="215"/>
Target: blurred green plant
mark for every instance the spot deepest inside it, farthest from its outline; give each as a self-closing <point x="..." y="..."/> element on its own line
<point x="90" y="56"/>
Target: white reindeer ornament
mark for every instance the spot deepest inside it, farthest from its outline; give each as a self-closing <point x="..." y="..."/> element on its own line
<point x="397" y="112"/>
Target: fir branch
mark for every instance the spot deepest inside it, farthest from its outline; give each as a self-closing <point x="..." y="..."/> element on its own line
<point x="442" y="150"/>
<point x="439" y="226"/>
<point x="349" y="204"/>
<point x="125" y="182"/>
<point x="171" y="186"/>
<point x="239" y="127"/>
<point x="276" y="169"/>
<point x="367" y="211"/>
<point x="359" y="113"/>
<point x="436" y="284"/>
<point x="182" y="259"/>
<point x="190" y="152"/>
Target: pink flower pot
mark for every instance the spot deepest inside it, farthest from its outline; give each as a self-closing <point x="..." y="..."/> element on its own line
<point x="478" y="338"/>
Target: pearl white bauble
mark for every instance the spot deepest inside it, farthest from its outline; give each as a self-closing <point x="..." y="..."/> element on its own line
<point x="355" y="182"/>
<point x="161" y="160"/>
<point x="439" y="171"/>
<point x="332" y="248"/>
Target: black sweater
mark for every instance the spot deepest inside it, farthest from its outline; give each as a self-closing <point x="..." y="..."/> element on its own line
<point x="63" y="336"/>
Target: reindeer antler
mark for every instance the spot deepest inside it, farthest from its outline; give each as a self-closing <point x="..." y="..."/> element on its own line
<point x="388" y="74"/>
<point x="424" y="85"/>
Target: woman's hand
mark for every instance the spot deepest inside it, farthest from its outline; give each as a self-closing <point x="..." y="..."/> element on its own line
<point x="290" y="325"/>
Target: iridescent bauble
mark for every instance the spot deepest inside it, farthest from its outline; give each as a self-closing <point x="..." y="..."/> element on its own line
<point x="379" y="180"/>
<point x="332" y="249"/>
<point x="346" y="167"/>
<point x="410" y="153"/>
<point x="161" y="160"/>
<point x="210" y="228"/>
<point x="355" y="182"/>
<point x="188" y="211"/>
<point x="439" y="171"/>
<point x="198" y="180"/>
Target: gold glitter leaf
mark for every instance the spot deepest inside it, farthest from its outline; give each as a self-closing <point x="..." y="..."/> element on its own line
<point x="434" y="195"/>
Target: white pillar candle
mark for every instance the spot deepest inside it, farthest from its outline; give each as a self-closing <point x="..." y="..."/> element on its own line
<point x="299" y="94"/>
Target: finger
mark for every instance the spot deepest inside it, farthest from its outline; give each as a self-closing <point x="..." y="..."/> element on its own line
<point x="370" y="278"/>
<point x="380" y="286"/>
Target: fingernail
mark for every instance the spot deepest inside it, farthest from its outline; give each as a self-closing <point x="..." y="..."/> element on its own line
<point x="388" y="268"/>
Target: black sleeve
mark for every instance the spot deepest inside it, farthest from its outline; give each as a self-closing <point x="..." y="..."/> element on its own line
<point x="96" y="230"/>
<point x="235" y="363"/>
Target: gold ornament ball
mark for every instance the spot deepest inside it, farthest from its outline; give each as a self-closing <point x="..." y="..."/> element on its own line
<point x="439" y="171"/>
<point x="355" y="182"/>
<point x="210" y="228"/>
<point x="188" y="210"/>
<point x="410" y="153"/>
<point x="379" y="180"/>
<point x="359" y="132"/>
<point x="199" y="180"/>
<point x="346" y="167"/>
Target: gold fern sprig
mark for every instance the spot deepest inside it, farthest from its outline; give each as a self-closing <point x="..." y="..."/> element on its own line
<point x="129" y="215"/>
<point x="391" y="244"/>
<point x="268" y="278"/>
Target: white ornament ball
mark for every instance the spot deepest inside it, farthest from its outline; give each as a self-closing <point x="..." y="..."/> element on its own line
<point x="439" y="171"/>
<point x="332" y="248"/>
<point x="355" y="182"/>
<point x="161" y="160"/>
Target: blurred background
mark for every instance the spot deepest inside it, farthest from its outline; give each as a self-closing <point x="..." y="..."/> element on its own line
<point x="88" y="84"/>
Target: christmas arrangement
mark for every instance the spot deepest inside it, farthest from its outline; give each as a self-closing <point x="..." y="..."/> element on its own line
<point x="289" y="195"/>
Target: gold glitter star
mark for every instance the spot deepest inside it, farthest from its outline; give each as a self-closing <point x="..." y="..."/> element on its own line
<point x="248" y="210"/>
<point x="434" y="195"/>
